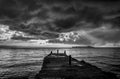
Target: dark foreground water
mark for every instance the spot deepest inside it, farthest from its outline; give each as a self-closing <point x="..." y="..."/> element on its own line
<point x="23" y="62"/>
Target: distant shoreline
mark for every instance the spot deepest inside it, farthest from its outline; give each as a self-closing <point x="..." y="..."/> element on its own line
<point x="28" y="47"/>
<point x="95" y="47"/>
<point x="46" y="47"/>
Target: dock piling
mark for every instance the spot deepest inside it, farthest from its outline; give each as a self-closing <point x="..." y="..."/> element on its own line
<point x="65" y="52"/>
<point x="70" y="60"/>
<point x="51" y="52"/>
<point x="57" y="51"/>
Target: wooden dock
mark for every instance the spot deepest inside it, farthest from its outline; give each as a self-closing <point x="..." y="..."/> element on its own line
<point x="61" y="66"/>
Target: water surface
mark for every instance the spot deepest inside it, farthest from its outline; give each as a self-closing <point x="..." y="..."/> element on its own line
<point x="14" y="62"/>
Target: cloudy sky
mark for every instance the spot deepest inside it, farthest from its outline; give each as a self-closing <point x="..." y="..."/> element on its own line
<point x="80" y="21"/>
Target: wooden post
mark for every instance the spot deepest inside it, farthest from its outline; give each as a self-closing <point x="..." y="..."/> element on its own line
<point x="51" y="52"/>
<point x="57" y="51"/>
<point x="70" y="60"/>
<point x="65" y="52"/>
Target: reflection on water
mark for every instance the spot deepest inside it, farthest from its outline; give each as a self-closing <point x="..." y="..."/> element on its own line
<point x="29" y="61"/>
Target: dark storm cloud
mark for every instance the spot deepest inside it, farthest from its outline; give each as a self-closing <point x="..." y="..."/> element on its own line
<point x="57" y="1"/>
<point x="103" y="0"/>
<point x="107" y="37"/>
<point x="51" y="17"/>
<point x="27" y="9"/>
<point x="66" y="23"/>
<point x="6" y="9"/>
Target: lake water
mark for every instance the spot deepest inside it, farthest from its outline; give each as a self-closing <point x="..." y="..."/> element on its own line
<point x="23" y="62"/>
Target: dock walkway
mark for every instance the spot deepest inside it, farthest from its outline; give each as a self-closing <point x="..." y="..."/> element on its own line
<point x="61" y="66"/>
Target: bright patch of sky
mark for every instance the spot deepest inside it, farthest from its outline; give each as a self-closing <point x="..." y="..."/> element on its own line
<point x="7" y="34"/>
